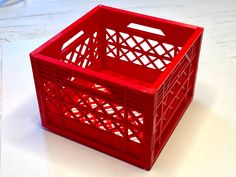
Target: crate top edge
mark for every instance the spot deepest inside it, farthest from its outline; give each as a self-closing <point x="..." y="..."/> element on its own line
<point x="35" y="57"/>
<point x="95" y="10"/>
<point x="186" y="25"/>
<point x="160" y="80"/>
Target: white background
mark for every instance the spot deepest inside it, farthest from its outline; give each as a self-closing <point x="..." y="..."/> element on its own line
<point x="204" y="142"/>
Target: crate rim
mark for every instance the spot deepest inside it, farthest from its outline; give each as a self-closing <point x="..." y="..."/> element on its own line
<point x="155" y="86"/>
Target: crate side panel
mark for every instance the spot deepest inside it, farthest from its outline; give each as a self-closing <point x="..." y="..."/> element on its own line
<point x="174" y="96"/>
<point x="103" y="110"/>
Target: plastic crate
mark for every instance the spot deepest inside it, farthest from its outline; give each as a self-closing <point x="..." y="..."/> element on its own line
<point x="117" y="81"/>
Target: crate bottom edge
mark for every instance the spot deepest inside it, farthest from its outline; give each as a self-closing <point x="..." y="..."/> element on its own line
<point x="95" y="146"/>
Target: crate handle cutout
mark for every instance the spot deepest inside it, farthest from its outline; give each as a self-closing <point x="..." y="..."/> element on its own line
<point x="146" y="29"/>
<point x="68" y="42"/>
<point x="89" y="85"/>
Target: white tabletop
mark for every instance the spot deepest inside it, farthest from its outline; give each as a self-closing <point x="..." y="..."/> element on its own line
<point x="204" y="142"/>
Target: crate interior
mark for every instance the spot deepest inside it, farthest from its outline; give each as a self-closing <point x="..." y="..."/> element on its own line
<point x="122" y="45"/>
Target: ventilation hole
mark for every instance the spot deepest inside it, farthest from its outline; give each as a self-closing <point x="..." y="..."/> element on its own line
<point x="118" y="133"/>
<point x="90" y="99"/>
<point x="151" y="66"/>
<point x="93" y="120"/>
<point x="166" y="61"/>
<point x="131" y="56"/>
<point x="138" y="54"/>
<point x="152" y="42"/>
<point x="152" y="57"/>
<point x="111" y="47"/>
<point x="145" y="46"/>
<point x="107" y="50"/>
<point x="115" y="50"/>
<point x="67" y="43"/>
<point x="111" y="32"/>
<point x="114" y="38"/>
<point x="87" y="41"/>
<point x="129" y="132"/>
<point x="111" y="55"/>
<point x="160" y="50"/>
<point x="136" y="113"/>
<point x="93" y="105"/>
<point x="159" y="63"/>
<point x="74" y="57"/>
<point x="112" y="126"/>
<point x="106" y="105"/>
<point x="123" y="114"/>
<point x="119" y="107"/>
<point x="137" y="62"/>
<point x="72" y="78"/>
<point x="84" y="63"/>
<point x="166" y="55"/>
<point x="131" y="42"/>
<point x="168" y="46"/>
<point x="74" y="110"/>
<point x="108" y="37"/>
<point x="124" y="35"/>
<point x="135" y="139"/>
<point x="146" y="29"/>
<point x="89" y="115"/>
<point x="172" y="53"/>
<point x="140" y="120"/>
<point x="152" y="51"/>
<point x="86" y="122"/>
<point x="68" y="56"/>
<point x="124" y="58"/>
<point x="95" y="34"/>
<point x="138" y="39"/>
<point x="77" y="48"/>
<point x="123" y="51"/>
<point x="145" y="60"/>
<point x="110" y="110"/>
<point x="106" y="121"/>
<point x="83" y="50"/>
<point x="102" y="127"/>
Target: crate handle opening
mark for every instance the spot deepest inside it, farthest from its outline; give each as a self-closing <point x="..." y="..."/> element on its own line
<point x="146" y="29"/>
<point x="72" y="39"/>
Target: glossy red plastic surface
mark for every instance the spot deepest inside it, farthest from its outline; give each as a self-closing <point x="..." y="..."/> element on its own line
<point x="117" y="81"/>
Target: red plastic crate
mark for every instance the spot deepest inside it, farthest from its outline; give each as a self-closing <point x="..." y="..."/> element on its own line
<point x="117" y="81"/>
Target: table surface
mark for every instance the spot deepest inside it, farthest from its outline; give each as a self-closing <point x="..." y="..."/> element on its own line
<point x="204" y="142"/>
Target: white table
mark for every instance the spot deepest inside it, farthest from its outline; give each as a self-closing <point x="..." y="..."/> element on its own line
<point x="204" y="142"/>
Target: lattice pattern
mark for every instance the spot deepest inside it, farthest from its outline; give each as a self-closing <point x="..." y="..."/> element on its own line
<point x="174" y="92"/>
<point x="138" y="50"/>
<point x="104" y="115"/>
<point x="49" y="89"/>
<point x="95" y="111"/>
<point x="85" y="52"/>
